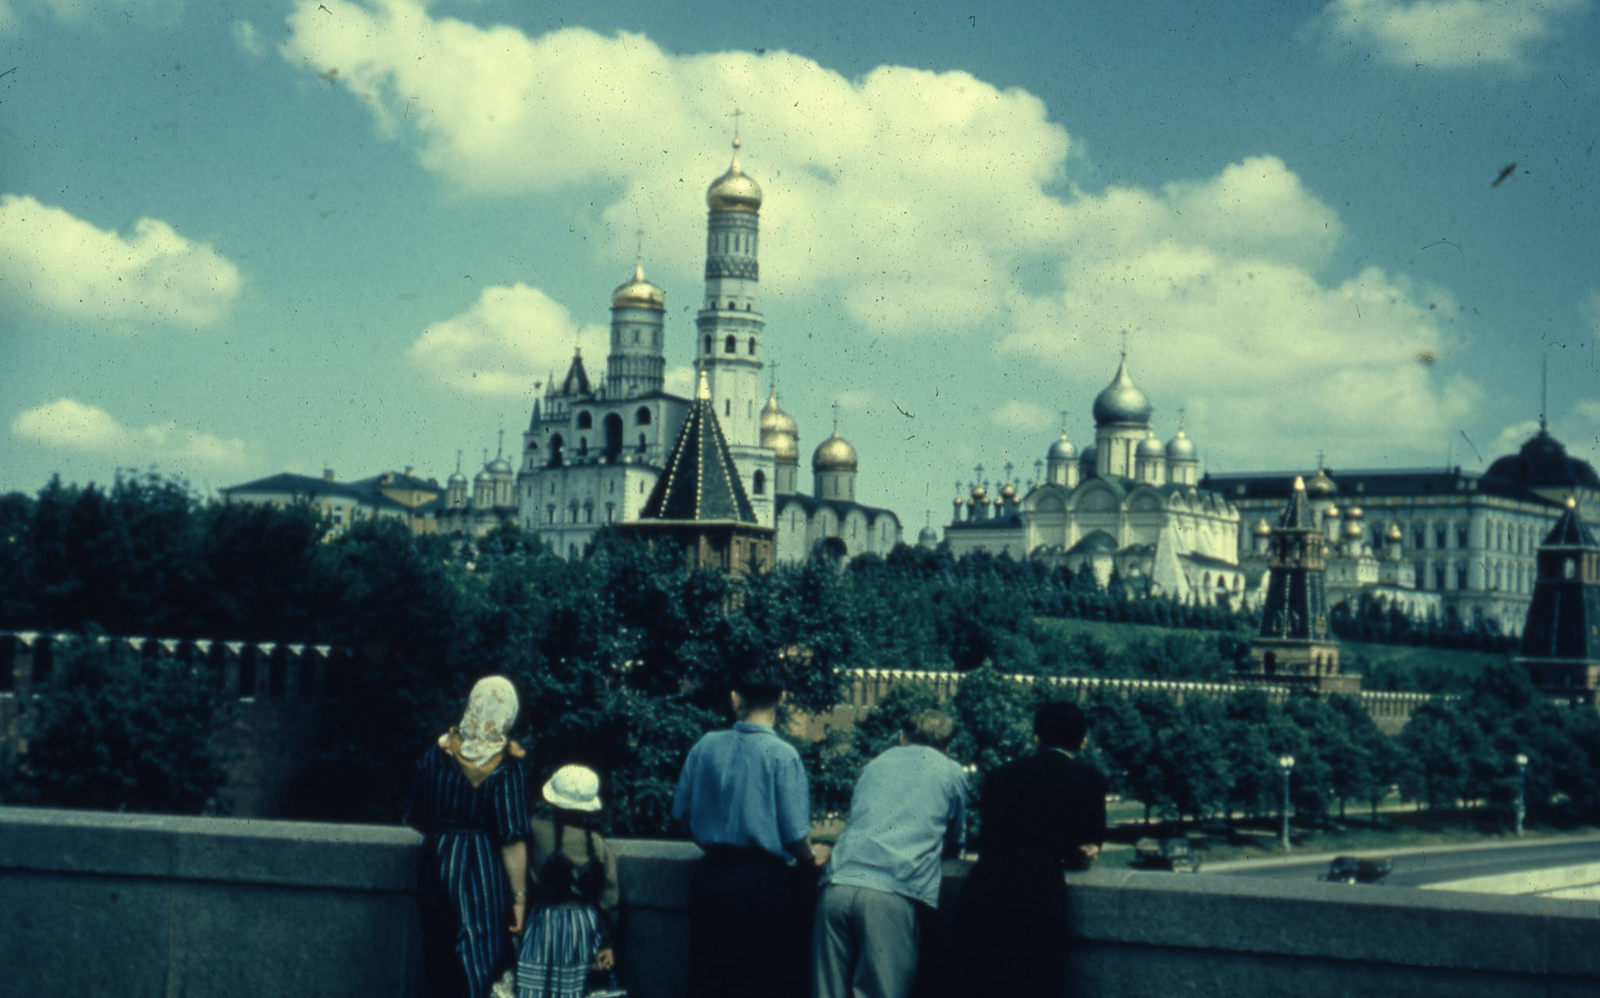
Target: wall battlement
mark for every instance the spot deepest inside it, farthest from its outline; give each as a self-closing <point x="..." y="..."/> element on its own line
<point x="138" y="905"/>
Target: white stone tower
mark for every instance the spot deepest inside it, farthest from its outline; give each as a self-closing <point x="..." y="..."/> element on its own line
<point x="728" y="340"/>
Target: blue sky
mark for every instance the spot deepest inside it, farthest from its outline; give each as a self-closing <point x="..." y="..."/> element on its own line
<point x="242" y="238"/>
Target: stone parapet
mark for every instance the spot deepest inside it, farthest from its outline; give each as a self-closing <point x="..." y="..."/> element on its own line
<point x="98" y="903"/>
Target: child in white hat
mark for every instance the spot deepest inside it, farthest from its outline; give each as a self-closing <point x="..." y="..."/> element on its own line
<point x="573" y="892"/>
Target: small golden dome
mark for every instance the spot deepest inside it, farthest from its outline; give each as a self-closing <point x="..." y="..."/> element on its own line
<point x="834" y="454"/>
<point x="1355" y="513"/>
<point x="1322" y="484"/>
<point x="1394" y="533"/>
<point x="1332" y="513"/>
<point x="1352" y="529"/>
<point x="979" y="493"/>
<point x="733" y="191"/>
<point x="639" y="293"/>
<point x="1262" y="528"/>
<point x="1009" y="493"/>
<point x="958" y="502"/>
<point x="786" y="446"/>
<point x="775" y="419"/>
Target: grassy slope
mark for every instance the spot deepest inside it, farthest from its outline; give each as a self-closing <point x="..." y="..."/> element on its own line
<point x="1372" y="657"/>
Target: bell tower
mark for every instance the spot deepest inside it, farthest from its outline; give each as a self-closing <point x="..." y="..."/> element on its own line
<point x="729" y="327"/>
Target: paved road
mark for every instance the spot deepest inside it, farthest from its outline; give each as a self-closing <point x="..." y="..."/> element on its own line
<point x="1491" y="868"/>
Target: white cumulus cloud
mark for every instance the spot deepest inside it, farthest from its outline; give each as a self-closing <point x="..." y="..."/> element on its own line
<point x="509" y="339"/>
<point x="1450" y="34"/>
<point x="63" y="266"/>
<point x="1216" y="283"/>
<point x="69" y="425"/>
<point x="908" y="195"/>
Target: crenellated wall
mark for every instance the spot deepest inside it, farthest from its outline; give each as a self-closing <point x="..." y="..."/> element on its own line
<point x="135" y="906"/>
<point x="279" y="691"/>
<point x="864" y="687"/>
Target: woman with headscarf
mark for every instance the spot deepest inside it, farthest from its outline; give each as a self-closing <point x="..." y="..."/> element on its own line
<point x="470" y="801"/>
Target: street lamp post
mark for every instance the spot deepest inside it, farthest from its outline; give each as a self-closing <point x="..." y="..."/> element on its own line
<point x="1286" y="763"/>
<point x="1522" y="789"/>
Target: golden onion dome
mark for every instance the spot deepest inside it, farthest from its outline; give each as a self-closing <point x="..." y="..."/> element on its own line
<point x="1352" y="529"/>
<point x="734" y="191"/>
<point x="639" y="293"/>
<point x="1009" y="493"/>
<point x="979" y="493"/>
<point x="1322" y="484"/>
<point x="1332" y="513"/>
<point x="775" y="419"/>
<point x="1262" y="528"/>
<point x="786" y="446"/>
<point x="834" y="454"/>
<point x="1394" y="533"/>
<point x="958" y="502"/>
<point x="1355" y="513"/>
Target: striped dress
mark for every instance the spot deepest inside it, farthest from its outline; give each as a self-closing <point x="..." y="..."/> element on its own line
<point x="462" y="884"/>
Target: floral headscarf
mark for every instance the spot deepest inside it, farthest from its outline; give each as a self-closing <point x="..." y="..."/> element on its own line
<point x="481" y="735"/>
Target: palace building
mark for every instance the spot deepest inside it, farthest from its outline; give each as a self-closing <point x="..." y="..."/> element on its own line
<point x="1460" y="544"/>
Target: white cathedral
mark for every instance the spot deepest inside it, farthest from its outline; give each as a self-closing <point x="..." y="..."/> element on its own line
<point x="594" y="449"/>
<point x="1127" y="505"/>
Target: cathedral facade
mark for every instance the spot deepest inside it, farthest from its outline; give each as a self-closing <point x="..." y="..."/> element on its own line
<point x="595" y="448"/>
<point x="1127" y="506"/>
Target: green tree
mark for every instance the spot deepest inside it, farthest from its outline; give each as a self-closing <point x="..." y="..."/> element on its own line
<point x="117" y="731"/>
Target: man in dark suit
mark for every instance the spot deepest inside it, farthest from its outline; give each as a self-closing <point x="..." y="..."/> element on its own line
<point x="1041" y="814"/>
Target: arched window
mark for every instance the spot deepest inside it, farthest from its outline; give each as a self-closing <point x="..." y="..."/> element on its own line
<point x="727" y="407"/>
<point x="758" y="483"/>
<point x="585" y="420"/>
<point x="708" y="344"/>
<point x="642" y="416"/>
<point x="1569" y="569"/>
<point x="555" y="451"/>
<point x="730" y="345"/>
<point x="613" y="431"/>
<point x="588" y="511"/>
<point x="751" y="349"/>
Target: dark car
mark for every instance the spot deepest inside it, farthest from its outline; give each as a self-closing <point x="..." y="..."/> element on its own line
<point x="1166" y="854"/>
<point x="1357" y="869"/>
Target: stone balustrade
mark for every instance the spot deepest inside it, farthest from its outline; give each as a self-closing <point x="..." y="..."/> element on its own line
<point x="135" y="906"/>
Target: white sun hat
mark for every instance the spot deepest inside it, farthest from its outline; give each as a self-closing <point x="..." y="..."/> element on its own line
<point x="574" y="788"/>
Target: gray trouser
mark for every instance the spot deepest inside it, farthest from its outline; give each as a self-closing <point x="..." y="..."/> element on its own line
<point x="864" y="944"/>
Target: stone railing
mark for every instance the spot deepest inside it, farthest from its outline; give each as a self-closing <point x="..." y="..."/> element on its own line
<point x="101" y="904"/>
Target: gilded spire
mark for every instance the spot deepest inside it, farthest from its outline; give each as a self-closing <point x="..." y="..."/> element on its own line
<point x="703" y="392"/>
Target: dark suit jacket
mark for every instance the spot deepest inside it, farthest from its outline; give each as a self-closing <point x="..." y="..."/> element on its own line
<point x="1012" y="923"/>
<point x="1044" y="805"/>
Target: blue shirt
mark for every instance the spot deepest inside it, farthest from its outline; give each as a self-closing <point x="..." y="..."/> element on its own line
<point x="908" y="806"/>
<point x="744" y="787"/>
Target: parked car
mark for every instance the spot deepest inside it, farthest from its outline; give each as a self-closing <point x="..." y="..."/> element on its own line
<point x="1166" y="854"/>
<point x="1357" y="869"/>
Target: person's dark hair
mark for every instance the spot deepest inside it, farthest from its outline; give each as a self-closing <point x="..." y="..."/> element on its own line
<point x="933" y="728"/>
<point x="760" y="689"/>
<point x="1060" y="725"/>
